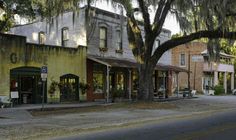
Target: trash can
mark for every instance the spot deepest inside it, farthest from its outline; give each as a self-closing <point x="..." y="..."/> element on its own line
<point x="25" y="98"/>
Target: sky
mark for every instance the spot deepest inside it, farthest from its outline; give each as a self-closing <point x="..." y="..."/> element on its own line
<point x="170" y="22"/>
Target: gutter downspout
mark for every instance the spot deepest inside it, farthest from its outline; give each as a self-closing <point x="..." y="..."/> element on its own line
<point x="107" y="83"/>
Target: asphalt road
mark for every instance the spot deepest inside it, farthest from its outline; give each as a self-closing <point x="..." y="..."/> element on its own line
<point x="211" y="126"/>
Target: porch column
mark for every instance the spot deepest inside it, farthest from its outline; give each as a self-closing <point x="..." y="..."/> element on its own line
<point x="129" y="86"/>
<point x="177" y="82"/>
<point x="169" y="83"/>
<point x="232" y="81"/>
<point x="225" y="82"/>
<point x="108" y="83"/>
<point x="216" y="81"/>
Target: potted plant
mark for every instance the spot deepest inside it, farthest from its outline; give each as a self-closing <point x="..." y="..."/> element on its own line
<point x="117" y="94"/>
<point x="84" y="87"/>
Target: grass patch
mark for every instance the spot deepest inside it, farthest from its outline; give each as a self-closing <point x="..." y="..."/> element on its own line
<point x="98" y="108"/>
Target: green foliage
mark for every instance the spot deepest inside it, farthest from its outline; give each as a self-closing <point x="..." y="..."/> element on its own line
<point x="219" y="89"/>
<point x="54" y="85"/>
<point x="84" y="87"/>
<point x="117" y="93"/>
<point x="10" y="8"/>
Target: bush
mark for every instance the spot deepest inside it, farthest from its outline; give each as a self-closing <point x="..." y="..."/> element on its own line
<point x="117" y="93"/>
<point x="219" y="89"/>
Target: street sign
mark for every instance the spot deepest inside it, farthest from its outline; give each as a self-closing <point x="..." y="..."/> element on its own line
<point x="44" y="73"/>
<point x="44" y="76"/>
<point x="197" y="58"/>
<point x="44" y="69"/>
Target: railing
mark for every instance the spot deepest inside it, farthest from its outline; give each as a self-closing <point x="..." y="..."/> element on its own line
<point x="210" y="67"/>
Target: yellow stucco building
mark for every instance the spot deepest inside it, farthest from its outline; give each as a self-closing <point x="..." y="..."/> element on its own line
<point x="20" y="71"/>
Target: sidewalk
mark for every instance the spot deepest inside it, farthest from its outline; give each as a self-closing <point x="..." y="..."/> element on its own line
<point x="20" y="112"/>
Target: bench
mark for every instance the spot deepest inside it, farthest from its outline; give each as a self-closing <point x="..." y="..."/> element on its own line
<point x="186" y="93"/>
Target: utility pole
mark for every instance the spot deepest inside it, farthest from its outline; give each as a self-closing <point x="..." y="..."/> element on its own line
<point x="189" y="71"/>
<point x="194" y="76"/>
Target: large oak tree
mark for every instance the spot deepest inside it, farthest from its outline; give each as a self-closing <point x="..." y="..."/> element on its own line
<point x="210" y="19"/>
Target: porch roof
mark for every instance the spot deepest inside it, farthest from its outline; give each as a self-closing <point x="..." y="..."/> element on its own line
<point x="129" y="63"/>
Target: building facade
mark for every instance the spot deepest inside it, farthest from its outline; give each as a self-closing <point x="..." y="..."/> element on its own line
<point x="111" y="66"/>
<point x="20" y="71"/>
<point x="204" y="74"/>
<point x="111" y="69"/>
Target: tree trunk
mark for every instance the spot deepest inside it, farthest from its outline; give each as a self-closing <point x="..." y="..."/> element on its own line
<point x="145" y="91"/>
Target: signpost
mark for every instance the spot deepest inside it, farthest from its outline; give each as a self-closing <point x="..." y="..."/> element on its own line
<point x="44" y="75"/>
<point x="196" y="58"/>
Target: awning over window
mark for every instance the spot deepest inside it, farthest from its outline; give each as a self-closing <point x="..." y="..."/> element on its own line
<point x="114" y="62"/>
<point x="129" y="63"/>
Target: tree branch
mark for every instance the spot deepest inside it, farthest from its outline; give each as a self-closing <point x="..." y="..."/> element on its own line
<point x="159" y="23"/>
<point x="161" y="5"/>
<point x="185" y="39"/>
<point x="146" y="16"/>
<point x="135" y="38"/>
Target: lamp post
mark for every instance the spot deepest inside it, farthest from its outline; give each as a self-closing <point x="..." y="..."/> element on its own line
<point x="189" y="71"/>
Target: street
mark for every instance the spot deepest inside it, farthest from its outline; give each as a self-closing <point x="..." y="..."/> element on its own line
<point x="215" y="126"/>
<point x="204" y="117"/>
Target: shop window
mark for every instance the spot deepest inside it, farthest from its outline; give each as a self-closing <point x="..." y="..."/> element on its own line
<point x="120" y="81"/>
<point x="103" y="39"/>
<point x="42" y="38"/>
<point x="98" y="82"/>
<point x="135" y="80"/>
<point x="65" y="36"/>
<point x="182" y="59"/>
<point x="119" y="41"/>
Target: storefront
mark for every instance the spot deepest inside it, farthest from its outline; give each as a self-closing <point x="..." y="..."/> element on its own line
<point x="20" y="68"/>
<point x="123" y="78"/>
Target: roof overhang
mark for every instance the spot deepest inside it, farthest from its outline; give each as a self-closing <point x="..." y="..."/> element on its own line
<point x="222" y="54"/>
<point x="129" y="63"/>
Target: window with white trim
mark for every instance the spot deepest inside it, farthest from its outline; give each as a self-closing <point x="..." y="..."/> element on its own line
<point x="103" y="38"/>
<point x="65" y="36"/>
<point x="42" y="38"/>
<point x="119" y="40"/>
<point x="182" y="60"/>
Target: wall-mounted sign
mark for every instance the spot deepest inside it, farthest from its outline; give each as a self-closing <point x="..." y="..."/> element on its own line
<point x="197" y="58"/>
<point x="17" y="57"/>
<point x="14" y="94"/>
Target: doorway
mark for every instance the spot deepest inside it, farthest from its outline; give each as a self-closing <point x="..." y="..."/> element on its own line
<point x="27" y="82"/>
<point x="69" y="88"/>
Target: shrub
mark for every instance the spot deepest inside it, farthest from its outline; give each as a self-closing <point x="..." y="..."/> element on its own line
<point x="84" y="87"/>
<point x="117" y="93"/>
<point x="219" y="89"/>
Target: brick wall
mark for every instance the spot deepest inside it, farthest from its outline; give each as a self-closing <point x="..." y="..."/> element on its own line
<point x="192" y="48"/>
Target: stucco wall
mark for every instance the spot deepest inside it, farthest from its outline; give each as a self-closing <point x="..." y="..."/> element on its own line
<point x="60" y="61"/>
<point x="77" y="32"/>
<point x="114" y="22"/>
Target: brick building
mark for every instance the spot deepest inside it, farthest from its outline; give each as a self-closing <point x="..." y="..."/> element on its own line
<point x="193" y="56"/>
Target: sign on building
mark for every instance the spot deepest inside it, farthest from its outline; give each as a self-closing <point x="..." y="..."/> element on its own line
<point x="197" y="58"/>
<point x="44" y="73"/>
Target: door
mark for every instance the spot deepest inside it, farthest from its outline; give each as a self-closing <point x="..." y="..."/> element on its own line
<point x="69" y="88"/>
<point x="27" y="82"/>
